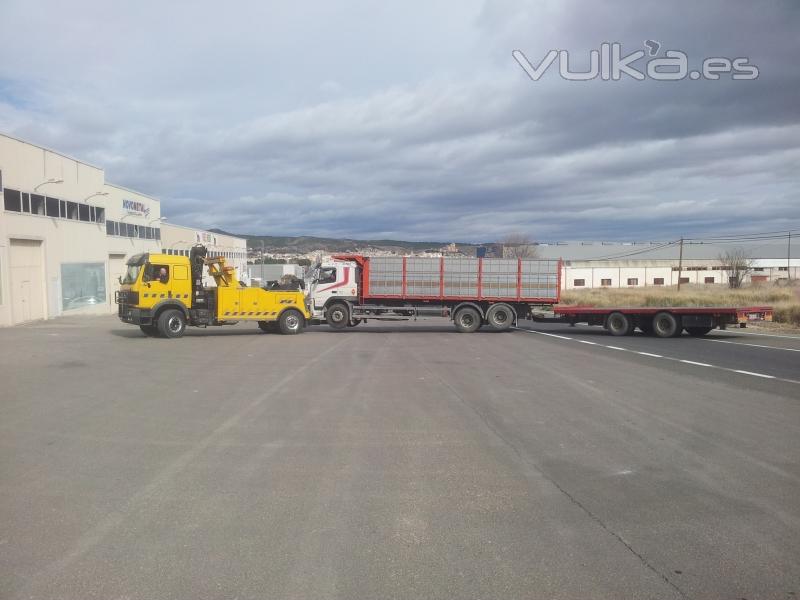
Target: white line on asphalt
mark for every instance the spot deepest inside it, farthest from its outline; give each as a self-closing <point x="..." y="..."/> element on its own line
<point x="739" y="332"/>
<point x="753" y="345"/>
<point x="691" y="362"/>
<point x="672" y="358"/>
<point x="753" y="374"/>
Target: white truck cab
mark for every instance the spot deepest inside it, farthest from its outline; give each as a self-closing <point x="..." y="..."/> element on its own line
<point x="330" y="281"/>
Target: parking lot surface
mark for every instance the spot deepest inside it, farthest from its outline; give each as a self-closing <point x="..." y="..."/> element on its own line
<point x="402" y="461"/>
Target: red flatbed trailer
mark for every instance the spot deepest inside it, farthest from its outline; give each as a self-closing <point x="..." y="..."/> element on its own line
<point x="663" y="321"/>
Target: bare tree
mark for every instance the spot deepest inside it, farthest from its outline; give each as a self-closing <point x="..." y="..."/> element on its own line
<point x="738" y="263"/>
<point x="519" y="245"/>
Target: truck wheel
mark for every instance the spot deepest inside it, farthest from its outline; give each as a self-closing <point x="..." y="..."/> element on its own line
<point x="354" y="322"/>
<point x="268" y="326"/>
<point x="337" y="315"/>
<point x="500" y="316"/>
<point x="666" y="325"/>
<point x="467" y="320"/>
<point x="698" y="331"/>
<point x="171" y="323"/>
<point x="290" y="322"/>
<point x="149" y="330"/>
<point x="619" y="324"/>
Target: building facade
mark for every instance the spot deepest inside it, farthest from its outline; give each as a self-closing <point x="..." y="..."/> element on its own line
<point x="65" y="234"/>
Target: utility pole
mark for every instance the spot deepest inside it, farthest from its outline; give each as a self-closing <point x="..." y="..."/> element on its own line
<point x="262" y="263"/>
<point x="680" y="265"/>
<point x="789" y="260"/>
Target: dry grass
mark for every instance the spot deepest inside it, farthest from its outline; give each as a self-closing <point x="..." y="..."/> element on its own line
<point x="784" y="300"/>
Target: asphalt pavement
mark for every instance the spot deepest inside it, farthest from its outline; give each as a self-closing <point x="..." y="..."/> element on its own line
<point x="397" y="461"/>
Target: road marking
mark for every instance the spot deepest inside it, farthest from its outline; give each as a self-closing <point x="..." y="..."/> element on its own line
<point x="672" y="358"/>
<point x="753" y="374"/>
<point x="775" y="335"/>
<point x="691" y="362"/>
<point x="753" y="345"/>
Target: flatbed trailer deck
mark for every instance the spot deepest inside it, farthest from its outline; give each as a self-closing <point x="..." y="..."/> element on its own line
<point x="663" y="321"/>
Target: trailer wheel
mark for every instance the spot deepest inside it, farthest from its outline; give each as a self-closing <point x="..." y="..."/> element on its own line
<point x="171" y="323"/>
<point x="619" y="324"/>
<point x="337" y="315"/>
<point x="290" y="322"/>
<point x="667" y="325"/>
<point x="698" y="331"/>
<point x="149" y="330"/>
<point x="467" y="320"/>
<point x="500" y="316"/>
<point x="268" y="326"/>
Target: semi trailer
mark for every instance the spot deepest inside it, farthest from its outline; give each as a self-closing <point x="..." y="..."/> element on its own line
<point x="493" y="292"/>
<point x="164" y="293"/>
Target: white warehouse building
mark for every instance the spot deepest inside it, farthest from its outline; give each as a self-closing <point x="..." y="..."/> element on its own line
<point x="65" y="234"/>
<point x="617" y="265"/>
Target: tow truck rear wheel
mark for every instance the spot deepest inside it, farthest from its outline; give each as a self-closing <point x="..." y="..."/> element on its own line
<point x="149" y="330"/>
<point x="467" y="320"/>
<point x="337" y="315"/>
<point x="171" y="323"/>
<point x="290" y="322"/>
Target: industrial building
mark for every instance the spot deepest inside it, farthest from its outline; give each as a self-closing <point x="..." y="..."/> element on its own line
<point x="619" y="265"/>
<point x="65" y="234"/>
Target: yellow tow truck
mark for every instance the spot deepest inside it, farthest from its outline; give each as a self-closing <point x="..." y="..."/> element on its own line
<point x="162" y="294"/>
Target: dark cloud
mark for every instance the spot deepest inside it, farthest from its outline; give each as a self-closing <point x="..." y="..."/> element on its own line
<point x="414" y="121"/>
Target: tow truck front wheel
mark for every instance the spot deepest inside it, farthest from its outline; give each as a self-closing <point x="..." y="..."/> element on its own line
<point x="171" y="323"/>
<point x="290" y="322"/>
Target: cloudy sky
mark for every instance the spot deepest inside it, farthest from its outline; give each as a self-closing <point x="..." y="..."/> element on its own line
<point x="412" y="120"/>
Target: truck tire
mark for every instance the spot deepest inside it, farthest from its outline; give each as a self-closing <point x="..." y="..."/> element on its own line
<point x="698" y="331"/>
<point x="171" y="323"/>
<point x="500" y="316"/>
<point x="467" y="320"/>
<point x="354" y="322"/>
<point x="338" y="315"/>
<point x="290" y="322"/>
<point x="667" y="325"/>
<point x="619" y="324"/>
<point x="268" y="326"/>
<point x="149" y="330"/>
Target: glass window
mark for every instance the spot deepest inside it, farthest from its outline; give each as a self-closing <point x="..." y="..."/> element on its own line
<point x="72" y="210"/>
<point x="37" y="204"/>
<point x="12" y="200"/>
<point x="708" y="280"/>
<point x="605" y="282"/>
<point x="100" y="214"/>
<point x="52" y="207"/>
<point x="117" y="227"/>
<point x="84" y="213"/>
<point x="26" y="202"/>
<point x="63" y="209"/>
<point x="109" y="227"/>
<point x="579" y="283"/>
<point x="683" y="280"/>
<point x="158" y="234"/>
<point x="658" y="281"/>
<point x="158" y="273"/>
<point x="82" y="284"/>
<point x="633" y="281"/>
<point x="130" y="230"/>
